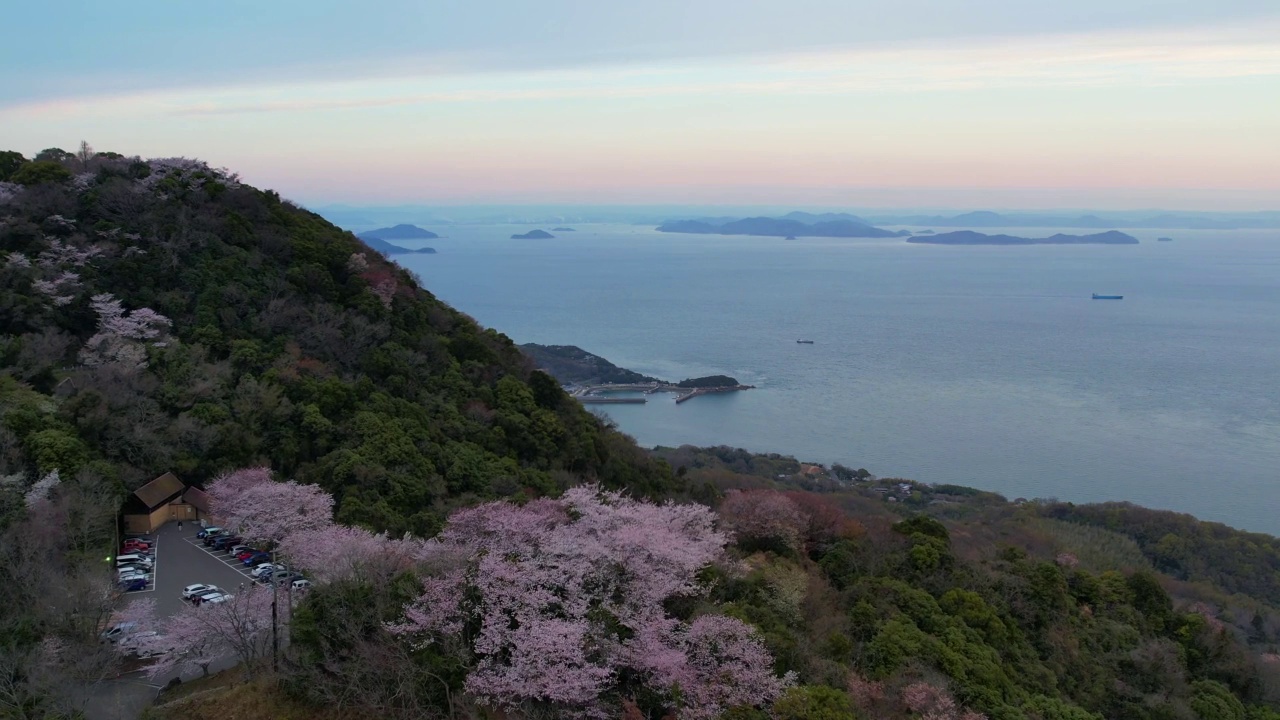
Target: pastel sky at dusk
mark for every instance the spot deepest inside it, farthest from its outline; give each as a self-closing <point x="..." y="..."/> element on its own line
<point x="911" y="103"/>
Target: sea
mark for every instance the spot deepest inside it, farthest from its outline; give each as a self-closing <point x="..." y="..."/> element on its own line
<point x="984" y="366"/>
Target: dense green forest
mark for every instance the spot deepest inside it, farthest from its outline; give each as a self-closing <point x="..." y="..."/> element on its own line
<point x="160" y="315"/>
<point x="288" y="342"/>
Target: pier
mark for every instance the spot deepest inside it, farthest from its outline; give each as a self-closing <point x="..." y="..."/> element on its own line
<point x="599" y="394"/>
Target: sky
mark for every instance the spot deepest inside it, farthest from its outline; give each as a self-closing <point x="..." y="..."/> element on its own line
<point x="1007" y="104"/>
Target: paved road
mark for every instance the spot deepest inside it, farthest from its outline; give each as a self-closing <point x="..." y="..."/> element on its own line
<point x="180" y="560"/>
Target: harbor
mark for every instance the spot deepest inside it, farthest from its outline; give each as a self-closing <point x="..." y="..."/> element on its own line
<point x="603" y="394"/>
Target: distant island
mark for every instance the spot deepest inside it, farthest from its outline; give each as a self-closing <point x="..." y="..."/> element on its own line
<point x="563" y="229"/>
<point x="398" y="232"/>
<point x="790" y="226"/>
<point x="969" y="237"/>
<point x="533" y="235"/>
<point x="377" y="239"/>
<point x="572" y="365"/>
<point x="387" y="248"/>
<point x="1164" y="239"/>
<point x="1163" y="221"/>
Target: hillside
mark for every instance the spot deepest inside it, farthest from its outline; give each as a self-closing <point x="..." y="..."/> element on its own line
<point x="572" y="364"/>
<point x="160" y="315"/>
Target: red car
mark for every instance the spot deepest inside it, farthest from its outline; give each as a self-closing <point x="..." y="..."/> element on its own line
<point x="246" y="553"/>
<point x="135" y="546"/>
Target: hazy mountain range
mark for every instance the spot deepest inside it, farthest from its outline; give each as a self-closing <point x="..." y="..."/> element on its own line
<point x="362" y="218"/>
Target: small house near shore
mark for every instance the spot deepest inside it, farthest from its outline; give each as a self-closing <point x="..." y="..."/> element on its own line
<point x="161" y="500"/>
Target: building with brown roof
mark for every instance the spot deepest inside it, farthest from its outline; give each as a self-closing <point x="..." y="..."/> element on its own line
<point x="161" y="500"/>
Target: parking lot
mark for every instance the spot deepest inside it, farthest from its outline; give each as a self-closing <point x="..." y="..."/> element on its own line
<point x="155" y="564"/>
<point x="182" y="560"/>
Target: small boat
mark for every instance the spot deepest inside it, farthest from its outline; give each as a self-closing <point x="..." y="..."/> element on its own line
<point x="1164" y="239"/>
<point x="1096" y="296"/>
<point x="805" y="342"/>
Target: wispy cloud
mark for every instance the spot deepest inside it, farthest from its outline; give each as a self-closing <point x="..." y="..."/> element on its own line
<point x="1094" y="60"/>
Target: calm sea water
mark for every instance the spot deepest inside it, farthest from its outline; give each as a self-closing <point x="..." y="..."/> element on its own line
<point x="983" y="366"/>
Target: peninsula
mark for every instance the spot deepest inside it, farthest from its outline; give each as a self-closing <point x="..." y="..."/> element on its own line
<point x="841" y="227"/>
<point x="533" y="235"/>
<point x="591" y="377"/>
<point x="969" y="237"/>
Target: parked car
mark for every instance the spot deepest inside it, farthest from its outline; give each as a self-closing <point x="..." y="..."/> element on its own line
<point x="134" y="584"/>
<point x="245" y="555"/>
<point x="283" y="579"/>
<point x="206" y="596"/>
<point x="132" y="571"/>
<point x="132" y="559"/>
<point x="211" y="537"/>
<point x="191" y="591"/>
<point x="226" y="540"/>
<point x="300" y="585"/>
<point x="214" y="599"/>
<point x="137" y="641"/>
<point x="135" y="546"/>
<point x="257" y="558"/>
<point x="237" y="549"/>
<point x="214" y="530"/>
<point x="117" y="631"/>
<point x="265" y="569"/>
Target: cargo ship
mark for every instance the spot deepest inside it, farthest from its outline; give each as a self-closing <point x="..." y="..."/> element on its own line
<point x="805" y="342"/>
<point x="1096" y="296"/>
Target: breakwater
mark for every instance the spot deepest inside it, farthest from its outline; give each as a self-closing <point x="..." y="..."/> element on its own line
<point x="600" y="394"/>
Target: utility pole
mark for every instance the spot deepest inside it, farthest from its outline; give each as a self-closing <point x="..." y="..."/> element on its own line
<point x="275" y="627"/>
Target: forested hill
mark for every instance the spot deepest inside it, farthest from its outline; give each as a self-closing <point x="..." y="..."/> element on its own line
<point x="161" y="315"/>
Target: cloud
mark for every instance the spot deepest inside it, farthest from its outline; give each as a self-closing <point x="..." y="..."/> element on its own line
<point x="1090" y="60"/>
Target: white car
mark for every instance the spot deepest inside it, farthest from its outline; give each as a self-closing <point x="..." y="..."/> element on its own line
<point x="214" y="599"/>
<point x="265" y="568"/>
<point x="136" y="641"/>
<point x="119" y="630"/>
<point x="191" y="591"/>
<point x="300" y="585"/>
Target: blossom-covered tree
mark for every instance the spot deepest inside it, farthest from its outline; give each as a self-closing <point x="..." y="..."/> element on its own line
<point x="764" y="517"/>
<point x="121" y="333"/>
<point x="199" y="635"/>
<point x="40" y="489"/>
<point x="258" y="508"/>
<point x="332" y="552"/>
<point x="567" y="601"/>
<point x="934" y="703"/>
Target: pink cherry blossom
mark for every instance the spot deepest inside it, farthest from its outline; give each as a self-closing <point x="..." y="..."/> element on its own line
<point x="330" y="552"/>
<point x="40" y="490"/>
<point x="552" y="589"/>
<point x="250" y="503"/>
<point x="764" y="515"/>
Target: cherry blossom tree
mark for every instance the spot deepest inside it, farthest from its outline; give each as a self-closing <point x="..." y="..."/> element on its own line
<point x="934" y="703"/>
<point x="249" y="502"/>
<point x="40" y="490"/>
<point x="764" y="517"/>
<point x="121" y="333"/>
<point x="554" y="589"/>
<point x="197" y="636"/>
<point x="334" y="552"/>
